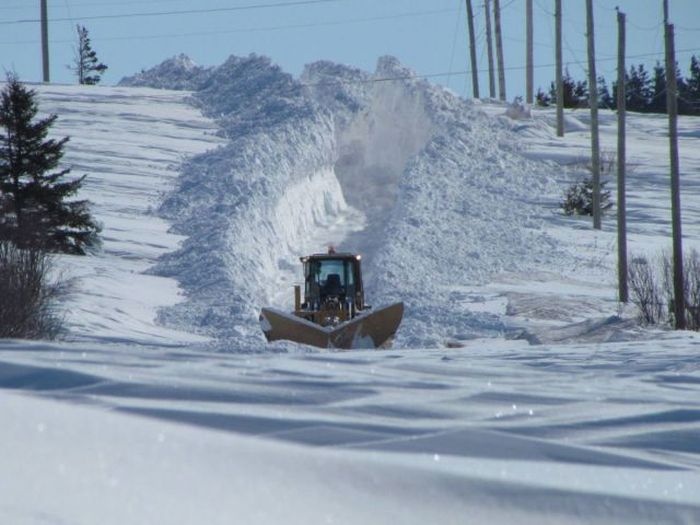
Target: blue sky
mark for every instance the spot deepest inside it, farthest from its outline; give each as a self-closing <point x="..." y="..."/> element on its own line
<point x="427" y="35"/>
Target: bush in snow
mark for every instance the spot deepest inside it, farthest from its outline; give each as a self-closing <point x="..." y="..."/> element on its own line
<point x="651" y="289"/>
<point x="691" y="286"/>
<point x="645" y="291"/>
<point x="578" y="199"/>
<point x="27" y="304"/>
<point x="542" y="99"/>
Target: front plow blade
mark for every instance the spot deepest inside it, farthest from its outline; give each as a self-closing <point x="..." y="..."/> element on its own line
<point x="367" y="330"/>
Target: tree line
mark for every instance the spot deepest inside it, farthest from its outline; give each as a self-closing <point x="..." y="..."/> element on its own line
<point x="645" y="91"/>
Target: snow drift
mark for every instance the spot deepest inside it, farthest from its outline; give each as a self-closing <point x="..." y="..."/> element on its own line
<point x="419" y="181"/>
<point x="134" y="422"/>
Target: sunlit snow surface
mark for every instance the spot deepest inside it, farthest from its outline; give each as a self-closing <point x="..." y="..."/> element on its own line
<point x="518" y="391"/>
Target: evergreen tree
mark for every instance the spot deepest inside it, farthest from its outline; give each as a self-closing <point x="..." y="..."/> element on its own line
<point x="33" y="210"/>
<point x="605" y="100"/>
<point x="580" y="94"/>
<point x="575" y="93"/>
<point x="658" y="98"/>
<point x="542" y="99"/>
<point x="639" y="90"/>
<point x="685" y="105"/>
<point x="693" y="86"/>
<point x="694" y="78"/>
<point x="86" y="66"/>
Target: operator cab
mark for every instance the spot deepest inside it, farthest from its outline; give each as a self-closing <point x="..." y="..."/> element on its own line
<point x="332" y="277"/>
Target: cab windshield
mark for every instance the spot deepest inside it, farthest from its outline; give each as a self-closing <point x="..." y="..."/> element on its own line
<point x="329" y="277"/>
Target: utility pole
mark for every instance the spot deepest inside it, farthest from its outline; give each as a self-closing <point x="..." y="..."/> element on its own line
<point x="45" y="41"/>
<point x="489" y="48"/>
<point x="499" y="50"/>
<point x="593" y="102"/>
<point x="621" y="163"/>
<point x="472" y="49"/>
<point x="529" y="95"/>
<point x="672" y="105"/>
<point x="558" y="72"/>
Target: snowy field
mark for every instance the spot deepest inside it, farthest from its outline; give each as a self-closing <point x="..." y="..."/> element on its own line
<point x="518" y="390"/>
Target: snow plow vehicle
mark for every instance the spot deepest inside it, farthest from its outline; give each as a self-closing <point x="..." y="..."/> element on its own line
<point x="333" y="313"/>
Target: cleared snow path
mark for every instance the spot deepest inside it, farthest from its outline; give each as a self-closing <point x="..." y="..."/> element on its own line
<point x="130" y="144"/>
<point x="432" y="191"/>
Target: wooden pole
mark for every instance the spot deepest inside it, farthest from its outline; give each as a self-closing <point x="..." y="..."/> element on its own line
<point x="45" y="41"/>
<point x="672" y="105"/>
<point x="559" y="74"/>
<point x="593" y="102"/>
<point x="499" y="50"/>
<point x="489" y="48"/>
<point x="472" y="49"/>
<point x="623" y="287"/>
<point x="529" y="94"/>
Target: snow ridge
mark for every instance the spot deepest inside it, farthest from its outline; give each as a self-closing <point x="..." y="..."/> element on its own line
<point x="465" y="206"/>
<point x="179" y="73"/>
<point x="234" y="203"/>
<point x="442" y="187"/>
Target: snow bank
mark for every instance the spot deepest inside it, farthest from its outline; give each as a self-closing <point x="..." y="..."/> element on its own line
<point x="419" y="181"/>
<point x="451" y="202"/>
<point x="179" y="72"/>
<point x="248" y="206"/>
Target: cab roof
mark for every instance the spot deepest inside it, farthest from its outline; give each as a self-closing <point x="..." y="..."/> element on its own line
<point x="332" y="254"/>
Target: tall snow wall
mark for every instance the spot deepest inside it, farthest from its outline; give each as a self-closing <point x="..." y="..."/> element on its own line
<point x="249" y="206"/>
<point x="450" y="200"/>
<point x="444" y="199"/>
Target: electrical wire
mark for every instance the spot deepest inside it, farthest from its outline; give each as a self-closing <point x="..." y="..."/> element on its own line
<point x="408" y="14"/>
<point x="182" y="12"/>
<point x="454" y="40"/>
<point x="417" y="76"/>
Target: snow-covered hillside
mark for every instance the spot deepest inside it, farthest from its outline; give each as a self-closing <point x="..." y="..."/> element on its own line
<point x="518" y="390"/>
<point x="130" y="144"/>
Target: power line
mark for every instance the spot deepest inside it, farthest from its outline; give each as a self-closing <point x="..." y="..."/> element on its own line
<point x="182" y="12"/>
<point x="416" y="76"/>
<point x="454" y="39"/>
<point x="257" y="29"/>
<point x="25" y="6"/>
<point x="30" y="7"/>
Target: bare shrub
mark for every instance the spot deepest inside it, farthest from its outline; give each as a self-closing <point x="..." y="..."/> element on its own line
<point x="691" y="286"/>
<point x="27" y="297"/>
<point x="645" y="291"/>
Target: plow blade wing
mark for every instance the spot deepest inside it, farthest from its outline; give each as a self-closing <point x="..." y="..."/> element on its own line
<point x="369" y="330"/>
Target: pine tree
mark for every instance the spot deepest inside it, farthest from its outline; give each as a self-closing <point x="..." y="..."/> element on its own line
<point x="575" y="93"/>
<point x="34" y="212"/>
<point x="605" y="100"/>
<point x="87" y="67"/>
<point x="685" y="105"/>
<point x="542" y="99"/>
<point x="693" y="85"/>
<point x="639" y="90"/>
<point x="658" y="98"/>
<point x="580" y="99"/>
